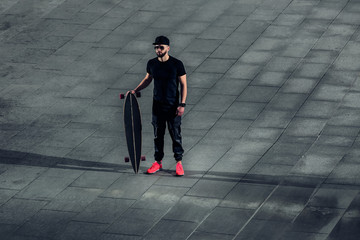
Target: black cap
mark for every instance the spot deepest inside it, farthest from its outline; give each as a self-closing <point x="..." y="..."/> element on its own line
<point x="161" y="40"/>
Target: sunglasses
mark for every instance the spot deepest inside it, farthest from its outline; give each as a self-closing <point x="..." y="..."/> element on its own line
<point x="161" y="47"/>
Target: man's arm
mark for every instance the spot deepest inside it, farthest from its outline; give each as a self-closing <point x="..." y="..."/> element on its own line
<point x="183" y="85"/>
<point x="144" y="83"/>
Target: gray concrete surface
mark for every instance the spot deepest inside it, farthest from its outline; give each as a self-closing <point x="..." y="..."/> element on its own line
<point x="271" y="131"/>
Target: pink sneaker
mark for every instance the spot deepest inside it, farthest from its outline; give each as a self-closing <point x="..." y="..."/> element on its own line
<point x="179" y="169"/>
<point x="155" y="167"/>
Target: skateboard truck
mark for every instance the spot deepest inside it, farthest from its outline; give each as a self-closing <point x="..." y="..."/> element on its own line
<point x="122" y="95"/>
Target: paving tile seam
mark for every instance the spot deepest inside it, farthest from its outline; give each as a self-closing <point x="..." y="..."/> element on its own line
<point x="256" y="211"/>
<point x="207" y="171"/>
<point x="231" y="65"/>
<point x="310" y="94"/>
<point x="158" y="220"/>
<point x="201" y="222"/>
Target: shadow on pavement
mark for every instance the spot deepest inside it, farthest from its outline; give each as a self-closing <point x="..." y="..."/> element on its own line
<point x="32" y="159"/>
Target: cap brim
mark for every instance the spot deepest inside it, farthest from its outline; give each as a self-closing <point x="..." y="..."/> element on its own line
<point x="161" y="43"/>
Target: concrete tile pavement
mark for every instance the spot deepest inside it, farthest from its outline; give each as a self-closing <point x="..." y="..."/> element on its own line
<point x="271" y="131"/>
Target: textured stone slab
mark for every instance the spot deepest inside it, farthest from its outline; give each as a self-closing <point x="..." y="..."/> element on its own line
<point x="228" y="51"/>
<point x="310" y="70"/>
<point x="95" y="147"/>
<point x="247" y="196"/>
<point x="273" y="157"/>
<point x="233" y="220"/>
<point x="197" y="235"/>
<point x="317" y="219"/>
<point x="212" y="65"/>
<point x="92" y="179"/>
<point x="17" y="211"/>
<point x="303" y="235"/>
<point x="82" y="230"/>
<point x="258" y="94"/>
<point x="192" y="209"/>
<point x="346" y="117"/>
<point x="65" y="200"/>
<point x="321" y="56"/>
<point x="346" y="229"/>
<point x="305" y="127"/>
<point x="214" y="32"/>
<point x="342" y="78"/>
<point x="228" y="128"/>
<point x="319" y="165"/>
<point x="271" y="79"/>
<point x="244" y="110"/>
<point x="284" y="204"/>
<point x="335" y="141"/>
<point x="261" y="229"/>
<point x="328" y="149"/>
<point x="352" y="100"/>
<point x="256" y="56"/>
<point x="104" y="210"/>
<point x="243" y="71"/>
<point x="234" y="164"/>
<point x="352" y="210"/>
<point x="241" y="40"/>
<point x="135" y="222"/>
<point x="160" y="197"/>
<point x="340" y="131"/>
<point x="109" y="236"/>
<point x="211" y="188"/>
<point x="317" y="109"/>
<point x="287" y="102"/>
<point x="192" y="27"/>
<point x="203" y="80"/>
<point x="44" y="188"/>
<point x="272" y="173"/>
<point x="332" y="197"/>
<point x="273" y="118"/>
<point x="46" y="224"/>
<point x="215" y="103"/>
<point x="263" y="133"/>
<point x="192" y="60"/>
<point x="171" y="229"/>
<point x="6" y="194"/>
<point x="18" y="177"/>
<point x="251" y="146"/>
<point x="282" y="64"/>
<point x="200" y="120"/>
<point x="345" y="173"/>
<point x="203" y="45"/>
<point x="68" y="137"/>
<point x="229" y="86"/>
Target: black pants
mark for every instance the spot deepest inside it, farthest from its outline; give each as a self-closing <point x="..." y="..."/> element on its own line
<point x="174" y="127"/>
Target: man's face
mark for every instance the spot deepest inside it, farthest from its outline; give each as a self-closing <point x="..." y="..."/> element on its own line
<point x="161" y="50"/>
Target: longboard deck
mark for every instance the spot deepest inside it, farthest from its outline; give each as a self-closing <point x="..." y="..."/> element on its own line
<point x="133" y="127"/>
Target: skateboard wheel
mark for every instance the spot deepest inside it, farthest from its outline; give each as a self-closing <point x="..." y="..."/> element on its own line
<point x="143" y="158"/>
<point x="138" y="94"/>
<point x="127" y="159"/>
<point x="122" y="96"/>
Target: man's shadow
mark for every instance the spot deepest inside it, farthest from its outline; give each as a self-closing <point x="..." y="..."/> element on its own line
<point x="32" y="159"/>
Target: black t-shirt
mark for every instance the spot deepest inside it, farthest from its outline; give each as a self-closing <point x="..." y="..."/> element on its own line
<point x="166" y="82"/>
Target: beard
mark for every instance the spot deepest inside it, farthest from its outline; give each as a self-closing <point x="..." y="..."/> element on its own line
<point x="160" y="55"/>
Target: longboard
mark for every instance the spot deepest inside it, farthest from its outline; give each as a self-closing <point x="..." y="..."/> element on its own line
<point x="133" y="127"/>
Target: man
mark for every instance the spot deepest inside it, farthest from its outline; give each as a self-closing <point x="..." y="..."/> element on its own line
<point x="167" y="73"/>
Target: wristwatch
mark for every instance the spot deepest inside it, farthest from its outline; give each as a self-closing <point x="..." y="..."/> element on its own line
<point x="182" y="105"/>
